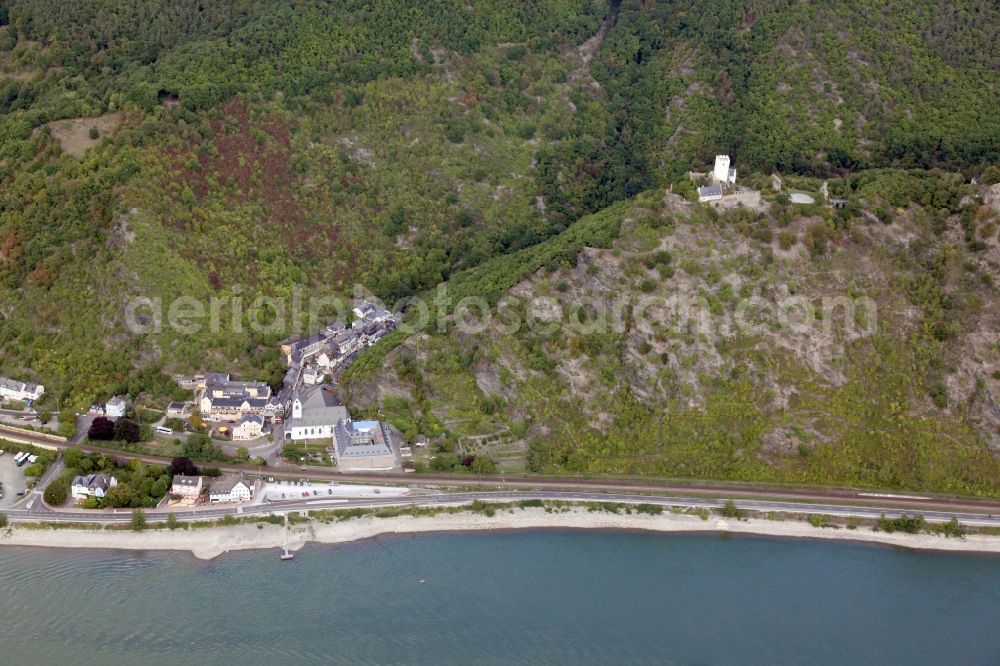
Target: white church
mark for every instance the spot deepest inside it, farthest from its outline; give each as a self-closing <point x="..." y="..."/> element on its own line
<point x="315" y="412"/>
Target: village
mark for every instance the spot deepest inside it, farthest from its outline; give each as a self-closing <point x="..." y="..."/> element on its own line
<point x="306" y="410"/>
<point x="304" y="423"/>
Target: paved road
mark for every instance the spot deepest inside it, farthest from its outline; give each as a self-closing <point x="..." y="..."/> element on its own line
<point x="124" y="515"/>
<point x="605" y="488"/>
<point x="32" y="503"/>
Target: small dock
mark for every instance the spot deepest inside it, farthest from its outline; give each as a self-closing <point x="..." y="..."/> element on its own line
<point x="285" y="555"/>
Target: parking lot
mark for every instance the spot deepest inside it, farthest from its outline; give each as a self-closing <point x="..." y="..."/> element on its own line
<point x="12" y="478"/>
<point x="276" y="491"/>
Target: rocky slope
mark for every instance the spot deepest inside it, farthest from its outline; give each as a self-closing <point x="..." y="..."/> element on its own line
<point x="785" y="343"/>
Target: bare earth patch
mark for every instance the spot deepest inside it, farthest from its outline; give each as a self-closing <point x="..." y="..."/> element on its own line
<point x="73" y="134"/>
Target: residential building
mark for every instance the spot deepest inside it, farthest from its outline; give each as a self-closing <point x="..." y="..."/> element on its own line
<point x="231" y="488"/>
<point x="115" y="407"/>
<point x="722" y="173"/>
<point x="300" y="349"/>
<point x="220" y="385"/>
<point x="367" y="314"/>
<point x="335" y="328"/>
<point x="11" y="389"/>
<point x="346" y="343"/>
<point x="223" y="397"/>
<point x="179" y="410"/>
<point x="231" y="408"/>
<point x="92" y="485"/>
<point x="249" y="427"/>
<point x="187" y="486"/>
<point x="315" y="413"/>
<point x="310" y="376"/>
<point x="362" y="311"/>
<point x="709" y="193"/>
<point x="362" y="446"/>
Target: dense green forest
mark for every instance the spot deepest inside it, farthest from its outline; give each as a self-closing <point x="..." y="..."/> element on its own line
<point x="235" y="149"/>
<point x="809" y="87"/>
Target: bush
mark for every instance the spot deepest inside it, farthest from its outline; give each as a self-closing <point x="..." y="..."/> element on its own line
<point x="94" y="133"/>
<point x="3" y="520"/>
<point x="939" y="394"/>
<point x="138" y="520"/>
<point x="127" y="430"/>
<point x="786" y="239"/>
<point x="817" y="239"/>
<point x="483" y="465"/>
<point x="102" y="429"/>
<point x="455" y="132"/>
<point x="730" y="510"/>
<point x="909" y="524"/>
<point x="67" y="429"/>
<point x="479" y="506"/>
<point x="183" y="467"/>
<point x="120" y="496"/>
<point x="73" y="457"/>
<point x="952" y="529"/>
<point x="56" y="493"/>
<point x="36" y="469"/>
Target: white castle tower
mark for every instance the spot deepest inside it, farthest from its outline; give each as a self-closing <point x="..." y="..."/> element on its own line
<point x="722" y="172"/>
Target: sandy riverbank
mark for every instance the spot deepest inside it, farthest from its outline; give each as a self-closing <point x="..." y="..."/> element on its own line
<point x="207" y="543"/>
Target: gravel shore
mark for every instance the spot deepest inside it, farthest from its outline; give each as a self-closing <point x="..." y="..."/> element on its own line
<point x="207" y="543"/>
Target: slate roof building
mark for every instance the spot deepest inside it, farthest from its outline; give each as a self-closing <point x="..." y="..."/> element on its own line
<point x="363" y="446"/>
<point x="231" y="488"/>
<point x="11" y="389"/>
<point x="315" y="412"/>
<point x="92" y="485"/>
<point x="709" y="193"/>
<point x="186" y="486"/>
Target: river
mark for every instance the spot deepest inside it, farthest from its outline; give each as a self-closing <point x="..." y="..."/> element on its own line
<point x="536" y="597"/>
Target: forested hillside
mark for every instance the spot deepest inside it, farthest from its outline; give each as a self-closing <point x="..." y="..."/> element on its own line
<point x="810" y="87"/>
<point x="214" y="149"/>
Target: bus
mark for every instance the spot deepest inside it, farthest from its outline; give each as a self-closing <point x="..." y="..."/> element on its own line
<point x="21" y="458"/>
<point x="164" y="430"/>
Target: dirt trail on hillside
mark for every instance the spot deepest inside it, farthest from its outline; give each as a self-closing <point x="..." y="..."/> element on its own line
<point x="585" y="52"/>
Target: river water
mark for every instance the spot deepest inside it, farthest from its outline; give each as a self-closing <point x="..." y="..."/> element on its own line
<point x="518" y="597"/>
